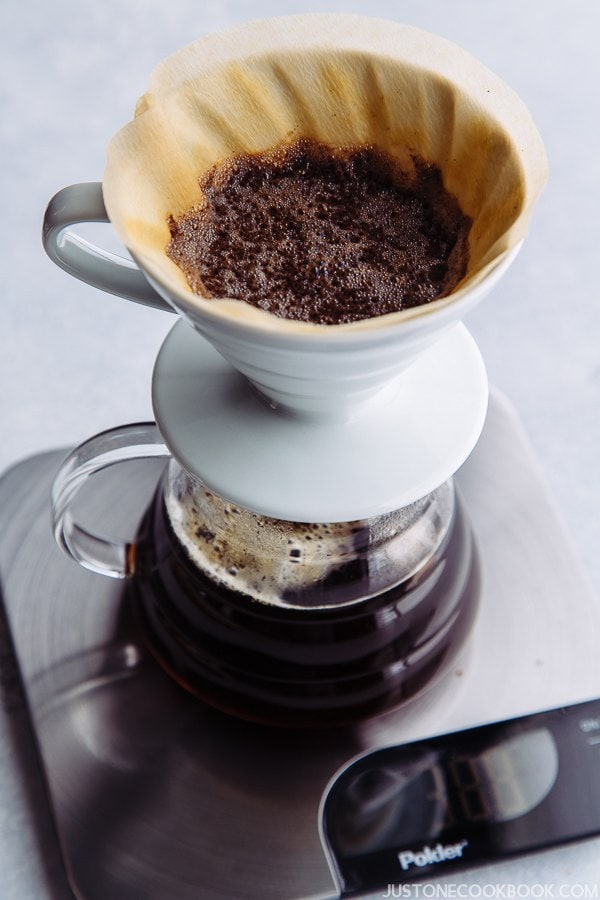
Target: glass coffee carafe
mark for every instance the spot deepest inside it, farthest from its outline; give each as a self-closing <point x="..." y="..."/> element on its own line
<point x="278" y="621"/>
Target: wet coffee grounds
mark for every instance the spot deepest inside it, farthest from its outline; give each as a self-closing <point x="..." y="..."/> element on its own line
<point x="321" y="234"/>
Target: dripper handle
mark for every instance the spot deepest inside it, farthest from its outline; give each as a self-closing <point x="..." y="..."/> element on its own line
<point x="95" y="552"/>
<point x="118" y="275"/>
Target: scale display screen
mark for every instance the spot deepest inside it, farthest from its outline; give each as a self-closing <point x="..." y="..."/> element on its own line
<point x="457" y="800"/>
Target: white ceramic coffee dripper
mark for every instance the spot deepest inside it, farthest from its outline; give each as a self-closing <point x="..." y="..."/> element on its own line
<point x="299" y="421"/>
<point x="402" y="405"/>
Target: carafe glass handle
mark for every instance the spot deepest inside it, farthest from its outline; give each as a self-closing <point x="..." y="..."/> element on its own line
<point x="93" y="551"/>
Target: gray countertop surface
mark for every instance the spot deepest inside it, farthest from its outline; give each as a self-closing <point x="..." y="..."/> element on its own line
<point x="75" y="361"/>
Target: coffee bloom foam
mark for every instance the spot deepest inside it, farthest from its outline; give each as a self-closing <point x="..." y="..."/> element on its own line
<point x="274" y="561"/>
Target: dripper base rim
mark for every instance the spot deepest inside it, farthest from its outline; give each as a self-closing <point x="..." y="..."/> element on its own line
<point x="312" y="469"/>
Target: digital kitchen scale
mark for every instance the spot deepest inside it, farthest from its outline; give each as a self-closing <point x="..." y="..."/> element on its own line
<point x="439" y="805"/>
<point x="155" y="795"/>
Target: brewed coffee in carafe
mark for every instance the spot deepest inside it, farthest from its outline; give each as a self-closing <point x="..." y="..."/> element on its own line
<point x="302" y="624"/>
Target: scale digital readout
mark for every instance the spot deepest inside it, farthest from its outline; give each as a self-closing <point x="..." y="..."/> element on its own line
<point x="458" y="800"/>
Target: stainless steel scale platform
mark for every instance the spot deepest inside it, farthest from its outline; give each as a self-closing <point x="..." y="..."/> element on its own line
<point x="155" y="796"/>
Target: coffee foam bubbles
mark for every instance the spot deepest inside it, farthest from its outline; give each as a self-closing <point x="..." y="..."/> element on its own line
<point x="290" y="563"/>
<point x="323" y="234"/>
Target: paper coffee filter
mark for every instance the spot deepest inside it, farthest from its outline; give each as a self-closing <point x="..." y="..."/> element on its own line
<point x="343" y="80"/>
